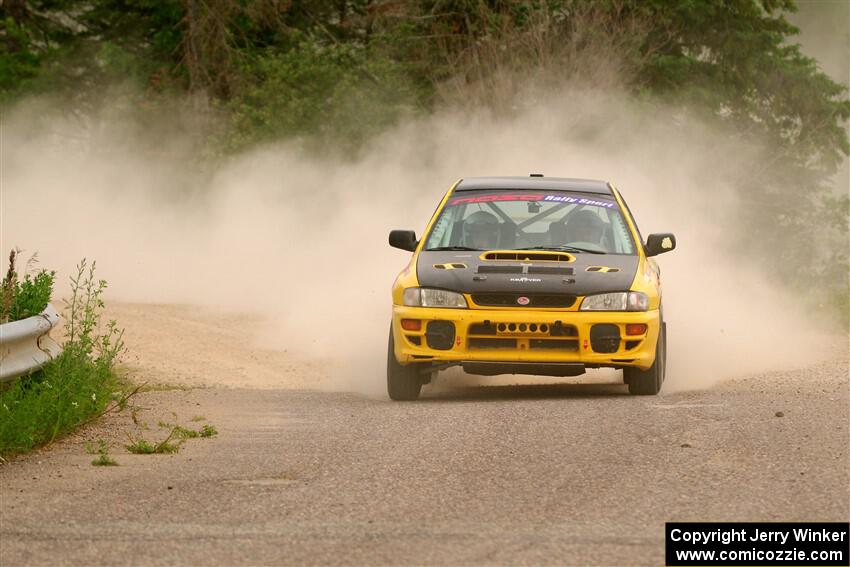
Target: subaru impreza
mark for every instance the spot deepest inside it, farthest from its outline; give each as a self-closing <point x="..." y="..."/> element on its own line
<point x="528" y="275"/>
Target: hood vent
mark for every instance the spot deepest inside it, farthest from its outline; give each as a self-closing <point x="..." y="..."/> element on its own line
<point x="528" y="256"/>
<point x="554" y="270"/>
<point x="499" y="269"/>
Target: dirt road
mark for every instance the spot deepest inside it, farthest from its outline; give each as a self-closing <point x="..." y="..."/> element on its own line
<point x="570" y="474"/>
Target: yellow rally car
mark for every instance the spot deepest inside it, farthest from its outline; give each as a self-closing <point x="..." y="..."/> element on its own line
<point x="528" y="275"/>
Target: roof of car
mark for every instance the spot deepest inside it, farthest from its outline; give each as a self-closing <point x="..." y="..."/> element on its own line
<point x="535" y="182"/>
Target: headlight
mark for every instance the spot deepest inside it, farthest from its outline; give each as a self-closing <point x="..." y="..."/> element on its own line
<point x="423" y="297"/>
<point x="620" y="301"/>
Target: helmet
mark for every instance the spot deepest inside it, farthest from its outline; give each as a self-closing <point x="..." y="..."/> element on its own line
<point x="585" y="226"/>
<point x="481" y="230"/>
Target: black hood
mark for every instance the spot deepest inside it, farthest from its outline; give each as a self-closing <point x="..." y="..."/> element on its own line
<point x="466" y="272"/>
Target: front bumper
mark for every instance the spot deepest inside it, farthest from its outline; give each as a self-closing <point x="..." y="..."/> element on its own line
<point x="595" y="339"/>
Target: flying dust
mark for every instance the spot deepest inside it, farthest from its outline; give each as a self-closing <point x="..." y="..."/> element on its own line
<point x="299" y="240"/>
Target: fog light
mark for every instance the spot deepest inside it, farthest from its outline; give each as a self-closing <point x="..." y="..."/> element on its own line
<point x="635" y="329"/>
<point x="411" y="324"/>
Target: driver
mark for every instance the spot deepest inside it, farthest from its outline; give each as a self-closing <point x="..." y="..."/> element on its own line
<point x="481" y="230"/>
<point x="585" y="226"/>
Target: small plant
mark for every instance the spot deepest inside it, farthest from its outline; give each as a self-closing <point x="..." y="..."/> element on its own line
<point x="22" y="299"/>
<point x="102" y="450"/>
<point x="177" y="435"/>
<point x="181" y="432"/>
<point x="142" y="446"/>
<point x="208" y="431"/>
<point x="184" y="433"/>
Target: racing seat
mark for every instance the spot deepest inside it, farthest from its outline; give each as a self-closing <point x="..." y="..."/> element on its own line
<point x="507" y="235"/>
<point x="581" y="226"/>
<point x="557" y="233"/>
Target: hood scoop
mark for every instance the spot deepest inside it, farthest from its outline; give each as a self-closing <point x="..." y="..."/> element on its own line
<point x="528" y="256"/>
<point x="520" y="269"/>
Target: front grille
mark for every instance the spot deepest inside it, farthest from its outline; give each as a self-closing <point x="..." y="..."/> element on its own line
<point x="535" y="300"/>
<point x="486" y="343"/>
<point x="561" y="330"/>
<point x="549" y="344"/>
<point x="482" y="329"/>
<point x="556" y="329"/>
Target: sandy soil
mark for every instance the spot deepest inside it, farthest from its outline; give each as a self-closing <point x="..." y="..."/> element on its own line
<point x="548" y="474"/>
<point x="197" y="346"/>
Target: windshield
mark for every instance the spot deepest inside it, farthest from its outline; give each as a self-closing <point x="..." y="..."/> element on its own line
<point x="486" y="220"/>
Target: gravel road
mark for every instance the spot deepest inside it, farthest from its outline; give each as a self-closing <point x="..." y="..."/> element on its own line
<point x="568" y="474"/>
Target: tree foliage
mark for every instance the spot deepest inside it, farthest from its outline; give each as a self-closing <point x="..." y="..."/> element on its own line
<point x="262" y="58"/>
<point x="343" y="70"/>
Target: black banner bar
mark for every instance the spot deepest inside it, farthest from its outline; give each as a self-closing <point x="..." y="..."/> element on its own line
<point x="765" y="544"/>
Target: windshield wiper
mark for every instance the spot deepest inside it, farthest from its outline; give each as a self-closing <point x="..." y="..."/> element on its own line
<point x="564" y="248"/>
<point x="455" y="248"/>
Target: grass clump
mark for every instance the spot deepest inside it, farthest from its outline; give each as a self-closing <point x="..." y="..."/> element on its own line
<point x="142" y="446"/>
<point x="177" y="435"/>
<point x="75" y="387"/>
<point x="183" y="433"/>
<point x="208" y="431"/>
<point x="102" y="450"/>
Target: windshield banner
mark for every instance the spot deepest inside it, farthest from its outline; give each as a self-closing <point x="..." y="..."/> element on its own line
<point x="551" y="198"/>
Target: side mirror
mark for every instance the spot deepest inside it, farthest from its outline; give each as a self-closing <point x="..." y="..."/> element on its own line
<point x="659" y="243"/>
<point x="404" y="239"/>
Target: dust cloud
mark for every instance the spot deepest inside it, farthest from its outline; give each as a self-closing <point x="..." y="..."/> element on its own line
<point x="299" y="239"/>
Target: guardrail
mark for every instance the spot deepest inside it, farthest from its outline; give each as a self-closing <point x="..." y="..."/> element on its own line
<point x="25" y="345"/>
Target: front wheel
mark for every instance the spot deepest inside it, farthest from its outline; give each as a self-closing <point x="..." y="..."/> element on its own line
<point x="648" y="382"/>
<point x="403" y="382"/>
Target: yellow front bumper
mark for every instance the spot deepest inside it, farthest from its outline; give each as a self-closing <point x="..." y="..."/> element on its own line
<point x="525" y="345"/>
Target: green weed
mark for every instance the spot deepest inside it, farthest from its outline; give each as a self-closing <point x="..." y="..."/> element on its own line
<point x="74" y="388"/>
<point x="102" y="450"/>
<point x="171" y="444"/>
<point x="144" y="447"/>
<point x="208" y="431"/>
<point x="180" y="432"/>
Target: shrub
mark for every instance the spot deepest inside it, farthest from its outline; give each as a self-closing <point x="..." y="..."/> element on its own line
<point x="75" y="387"/>
<point x="22" y="299"/>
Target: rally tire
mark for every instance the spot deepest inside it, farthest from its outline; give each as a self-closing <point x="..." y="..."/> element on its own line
<point x="648" y="382"/>
<point x="403" y="381"/>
